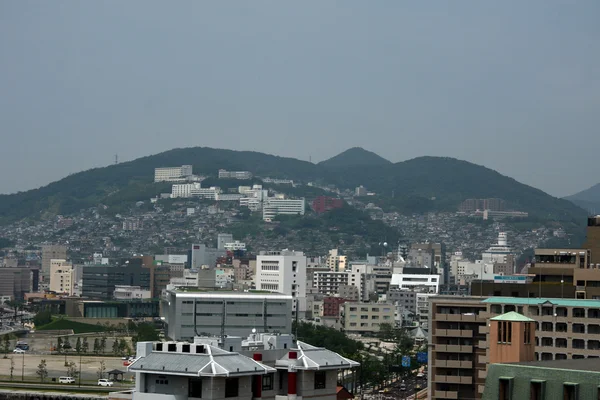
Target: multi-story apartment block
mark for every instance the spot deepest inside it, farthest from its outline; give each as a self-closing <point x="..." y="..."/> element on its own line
<point x="51" y="252"/>
<point x="191" y="313"/>
<point x="328" y="282"/>
<point x="366" y="318"/>
<point x="273" y="206"/>
<point x="404" y="298"/>
<point x="283" y="272"/>
<point x="173" y="174"/>
<point x="224" y="174"/>
<point x="62" y="277"/>
<point x="336" y="262"/>
<point x="417" y="282"/>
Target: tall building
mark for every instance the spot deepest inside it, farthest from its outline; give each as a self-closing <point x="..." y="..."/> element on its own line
<point x="243" y="311"/>
<point x="62" y="277"/>
<point x="17" y="281"/>
<point x="223" y="239"/>
<point x="173" y="174"/>
<point x="99" y="281"/>
<point x="592" y="241"/>
<point x="273" y="206"/>
<point x="283" y="272"/>
<point x="336" y="262"/>
<point x="50" y="252"/>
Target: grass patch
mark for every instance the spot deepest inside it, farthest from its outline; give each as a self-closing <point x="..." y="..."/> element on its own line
<point x="77" y="327"/>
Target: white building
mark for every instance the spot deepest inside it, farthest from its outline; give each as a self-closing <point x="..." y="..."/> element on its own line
<point x="283" y="272"/>
<point x="418" y="282"/>
<point x="125" y="292"/>
<point x="62" y="277"/>
<point x="336" y="262"/>
<point x="499" y="252"/>
<point x="224" y="174"/>
<point x="274" y="206"/>
<point x="236" y="245"/>
<point x="229" y="196"/>
<point x="173" y="174"/>
<point x="187" y="190"/>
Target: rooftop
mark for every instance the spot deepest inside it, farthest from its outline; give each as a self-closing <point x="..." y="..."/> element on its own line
<point x="583" y="364"/>
<point x="512" y="316"/>
<point x="542" y="300"/>
<point x="316" y="358"/>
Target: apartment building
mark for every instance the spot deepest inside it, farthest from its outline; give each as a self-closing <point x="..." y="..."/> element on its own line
<point x="417" y="282"/>
<point x="457" y="347"/>
<point x="283" y="272"/>
<point x="62" y="277"/>
<point x="328" y="282"/>
<point x="51" y="252"/>
<point x="191" y="313"/>
<point x="331" y="306"/>
<point x="404" y="298"/>
<point x="172" y="174"/>
<point x="592" y="241"/>
<point x="336" y="262"/>
<point x="244" y="175"/>
<point x="366" y="318"/>
<point x="274" y="206"/>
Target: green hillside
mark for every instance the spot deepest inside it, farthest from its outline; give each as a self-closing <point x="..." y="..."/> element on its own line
<point x="419" y="185"/>
<point x="588" y="199"/>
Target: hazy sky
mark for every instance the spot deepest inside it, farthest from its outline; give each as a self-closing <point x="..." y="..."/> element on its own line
<point x="512" y="85"/>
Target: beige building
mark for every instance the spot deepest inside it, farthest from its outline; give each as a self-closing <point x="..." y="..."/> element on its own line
<point x="460" y="346"/>
<point x="336" y="262"/>
<point x="51" y="252"/>
<point x="62" y="277"/>
<point x="366" y="317"/>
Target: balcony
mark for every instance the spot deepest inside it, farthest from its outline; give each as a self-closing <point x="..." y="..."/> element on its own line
<point x="454" y="333"/>
<point x="453" y="348"/>
<point x="439" y="394"/>
<point x="454" y="364"/>
<point x="456" y="317"/>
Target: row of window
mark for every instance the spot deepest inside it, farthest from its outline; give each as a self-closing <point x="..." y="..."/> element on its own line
<point x="537" y="390"/>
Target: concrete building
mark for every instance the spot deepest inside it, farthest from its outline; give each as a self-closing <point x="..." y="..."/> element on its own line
<point x="336" y="262"/>
<point x="404" y="298"/>
<point x="331" y="306"/>
<point x="493" y="204"/>
<point x="187" y="190"/>
<point x="323" y="204"/>
<point x="350" y="292"/>
<point x="417" y="282"/>
<point x="173" y="174"/>
<point x="265" y="366"/>
<point x="274" y="206"/>
<point x="51" y="252"/>
<point x="62" y="277"/>
<point x="191" y="313"/>
<point x="366" y="318"/>
<point x="328" y="282"/>
<point x="99" y="281"/>
<point x="592" y="241"/>
<point x="126" y="292"/>
<point x="201" y="255"/>
<point x="17" y="281"/>
<point x="283" y="272"/>
<point x="235" y="246"/>
<point x="224" y="174"/>
<point x="223" y="239"/>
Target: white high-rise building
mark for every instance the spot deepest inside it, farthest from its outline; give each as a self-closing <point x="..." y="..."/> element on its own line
<point x="336" y="262"/>
<point x="194" y="190"/>
<point x="497" y="253"/>
<point x="283" y="272"/>
<point x="62" y="277"/>
<point x="173" y="174"/>
<point x="274" y="206"/>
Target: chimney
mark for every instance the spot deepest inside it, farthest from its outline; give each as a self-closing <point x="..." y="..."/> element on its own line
<point x="292" y="391"/>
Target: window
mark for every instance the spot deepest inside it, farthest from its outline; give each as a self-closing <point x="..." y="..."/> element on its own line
<point x="537" y="390"/>
<point x="267" y="382"/>
<point x="231" y="387"/>
<point x="527" y="336"/>
<point x="195" y="388"/>
<point x="504" y="331"/>
<point x="320" y="379"/>
<point x="505" y="389"/>
<point x="570" y="391"/>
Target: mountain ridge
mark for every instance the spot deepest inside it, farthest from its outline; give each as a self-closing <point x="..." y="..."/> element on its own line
<point x="354" y="156"/>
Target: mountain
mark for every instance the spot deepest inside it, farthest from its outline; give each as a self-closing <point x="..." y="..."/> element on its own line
<point x="353" y="157"/>
<point x="588" y="199"/>
<point x="419" y="185"/>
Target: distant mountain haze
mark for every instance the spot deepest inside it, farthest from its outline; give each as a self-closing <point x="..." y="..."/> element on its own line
<point x="419" y="185"/>
<point x="588" y="199"/>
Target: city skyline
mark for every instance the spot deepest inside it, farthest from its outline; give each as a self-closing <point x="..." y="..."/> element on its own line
<point x="509" y="86"/>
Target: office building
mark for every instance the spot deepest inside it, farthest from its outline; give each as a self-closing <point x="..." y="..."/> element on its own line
<point x="173" y="174"/>
<point x="99" y="281"/>
<point x="327" y="282"/>
<point x="17" y="281"/>
<point x="366" y="318"/>
<point x="274" y="206"/>
<point x="263" y="366"/>
<point x="192" y="313"/>
<point x="126" y="292"/>
<point x="223" y="239"/>
<point x="336" y="262"/>
<point x="283" y="272"/>
<point x="200" y="255"/>
<point x="62" y="277"/>
<point x="224" y="174"/>
<point x="187" y="190"/>
<point x="417" y="282"/>
<point x="51" y="252"/>
<point x="592" y="241"/>
<point x="404" y="298"/>
<point x="325" y="203"/>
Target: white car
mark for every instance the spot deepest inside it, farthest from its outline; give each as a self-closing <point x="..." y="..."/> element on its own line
<point x="66" y="379"/>
<point x="18" y="351"/>
<point x="420" y="375"/>
<point x="104" y="382"/>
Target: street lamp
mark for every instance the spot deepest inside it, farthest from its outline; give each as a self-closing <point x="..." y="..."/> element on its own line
<point x="80" y="369"/>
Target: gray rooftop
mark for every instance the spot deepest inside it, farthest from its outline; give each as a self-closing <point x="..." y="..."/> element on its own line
<point x="316" y="358"/>
<point x="583" y="364"/>
<point x="216" y="362"/>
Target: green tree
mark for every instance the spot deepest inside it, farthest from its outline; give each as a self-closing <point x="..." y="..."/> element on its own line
<point x="59" y="345"/>
<point x="78" y="346"/>
<point x="42" y="318"/>
<point x="103" y="344"/>
<point x="145" y="332"/>
<point x="67" y="344"/>
<point x="85" y="345"/>
<point x="124" y="347"/>
<point x="115" y="346"/>
<point x="42" y="371"/>
<point x="5" y="345"/>
<point x="101" y="370"/>
<point x="72" y="370"/>
<point x="12" y="368"/>
<point x="96" y="346"/>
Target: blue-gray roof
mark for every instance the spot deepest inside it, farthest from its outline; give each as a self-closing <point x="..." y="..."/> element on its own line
<point x="316" y="358"/>
<point x="538" y="301"/>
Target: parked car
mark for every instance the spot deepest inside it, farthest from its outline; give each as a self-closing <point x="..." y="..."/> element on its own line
<point x="19" y="351"/>
<point x="104" y="382"/>
<point x="420" y="375"/>
<point x="66" y="379"/>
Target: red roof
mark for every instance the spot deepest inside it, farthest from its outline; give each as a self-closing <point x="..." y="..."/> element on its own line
<point x="343" y="393"/>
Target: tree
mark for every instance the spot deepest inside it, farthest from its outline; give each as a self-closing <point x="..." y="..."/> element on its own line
<point x="103" y="344"/>
<point x="72" y="370"/>
<point x="101" y="370"/>
<point x="85" y="345"/>
<point x="124" y="347"/>
<point x="42" y="371"/>
<point x="67" y="344"/>
<point x="12" y="368"/>
<point x="78" y="345"/>
<point x="115" y="346"/>
<point x="42" y="318"/>
<point x="145" y="332"/>
<point x="96" y="346"/>
<point x="59" y="345"/>
<point x="5" y="346"/>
